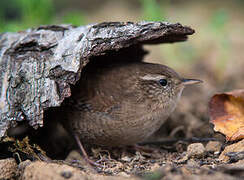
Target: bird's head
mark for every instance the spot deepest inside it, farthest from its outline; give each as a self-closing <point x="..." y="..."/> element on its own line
<point x="162" y="84"/>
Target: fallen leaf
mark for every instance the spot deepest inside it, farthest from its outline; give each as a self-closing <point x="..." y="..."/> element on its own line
<point x="237" y="147"/>
<point x="227" y="114"/>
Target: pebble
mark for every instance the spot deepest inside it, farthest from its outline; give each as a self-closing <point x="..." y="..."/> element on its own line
<point x="126" y="159"/>
<point x="155" y="167"/>
<point x="195" y="150"/>
<point x="123" y="174"/>
<point x="49" y="171"/>
<point x="24" y="164"/>
<point x="214" y="146"/>
<point x="193" y="164"/>
<point x="66" y="174"/>
<point x="8" y="168"/>
<point x="73" y="155"/>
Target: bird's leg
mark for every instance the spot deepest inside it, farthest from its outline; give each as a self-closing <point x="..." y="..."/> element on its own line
<point x="77" y="139"/>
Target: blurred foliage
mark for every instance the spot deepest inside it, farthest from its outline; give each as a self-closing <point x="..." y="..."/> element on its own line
<point x="213" y="25"/>
<point x="153" y="176"/>
<point x="219" y="19"/>
<point x="183" y="54"/>
<point x="18" y="15"/>
<point x="179" y="54"/>
<point x="34" y="12"/>
<point x="218" y="27"/>
<point x="27" y="13"/>
<point x="153" y="10"/>
<point x="74" y="18"/>
<point x="213" y="38"/>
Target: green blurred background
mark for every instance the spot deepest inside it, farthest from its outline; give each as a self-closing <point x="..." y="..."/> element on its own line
<point x="217" y="42"/>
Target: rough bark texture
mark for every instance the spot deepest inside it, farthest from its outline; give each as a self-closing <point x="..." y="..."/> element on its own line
<point x="38" y="65"/>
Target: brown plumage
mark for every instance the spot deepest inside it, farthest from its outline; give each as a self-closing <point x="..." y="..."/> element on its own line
<point x="122" y="104"/>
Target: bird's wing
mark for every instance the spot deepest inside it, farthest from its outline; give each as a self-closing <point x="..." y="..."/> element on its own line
<point x="105" y="89"/>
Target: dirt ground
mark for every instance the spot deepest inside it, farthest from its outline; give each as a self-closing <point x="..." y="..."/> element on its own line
<point x="178" y="160"/>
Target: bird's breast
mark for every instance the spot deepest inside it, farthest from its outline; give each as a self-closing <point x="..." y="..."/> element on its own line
<point x="126" y="124"/>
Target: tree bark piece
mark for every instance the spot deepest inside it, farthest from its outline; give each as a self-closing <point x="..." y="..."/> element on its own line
<point x="38" y="65"/>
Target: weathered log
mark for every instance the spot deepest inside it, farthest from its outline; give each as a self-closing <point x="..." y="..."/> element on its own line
<point x="38" y="65"/>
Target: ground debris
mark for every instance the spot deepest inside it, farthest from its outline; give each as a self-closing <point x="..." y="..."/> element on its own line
<point x="21" y="149"/>
<point x="235" y="156"/>
<point x="8" y="169"/>
<point x="214" y="147"/>
<point x="196" y="150"/>
<point x="128" y="164"/>
<point x="47" y="171"/>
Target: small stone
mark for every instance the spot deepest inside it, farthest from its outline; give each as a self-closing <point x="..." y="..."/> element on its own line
<point x="73" y="155"/>
<point x="126" y="159"/>
<point x="8" y="168"/>
<point x="193" y="164"/>
<point x="183" y="160"/>
<point x="155" y="167"/>
<point x="66" y="174"/>
<point x="186" y="171"/>
<point x="24" y="164"/>
<point x="195" y="150"/>
<point x="123" y="174"/>
<point x="48" y="171"/>
<point x="213" y="146"/>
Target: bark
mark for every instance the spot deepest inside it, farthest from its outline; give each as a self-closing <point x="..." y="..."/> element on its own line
<point x="37" y="66"/>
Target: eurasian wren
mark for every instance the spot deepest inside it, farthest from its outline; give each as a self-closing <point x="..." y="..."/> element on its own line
<point x="124" y="103"/>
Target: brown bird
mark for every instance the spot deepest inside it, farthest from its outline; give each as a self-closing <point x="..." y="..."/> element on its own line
<point x="122" y="104"/>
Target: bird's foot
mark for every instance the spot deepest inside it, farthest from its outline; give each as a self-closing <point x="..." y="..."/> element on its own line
<point x="83" y="151"/>
<point x="93" y="163"/>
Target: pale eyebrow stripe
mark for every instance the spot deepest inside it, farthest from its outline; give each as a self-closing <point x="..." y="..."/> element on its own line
<point x="152" y="77"/>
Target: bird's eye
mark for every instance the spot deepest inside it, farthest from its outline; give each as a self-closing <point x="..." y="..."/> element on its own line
<point x="163" y="82"/>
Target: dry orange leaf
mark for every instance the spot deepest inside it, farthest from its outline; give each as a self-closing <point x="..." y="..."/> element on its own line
<point x="227" y="114"/>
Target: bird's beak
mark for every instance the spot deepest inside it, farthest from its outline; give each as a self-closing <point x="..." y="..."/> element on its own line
<point x="191" y="81"/>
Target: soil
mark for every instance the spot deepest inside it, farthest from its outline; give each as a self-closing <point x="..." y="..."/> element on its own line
<point x="162" y="160"/>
